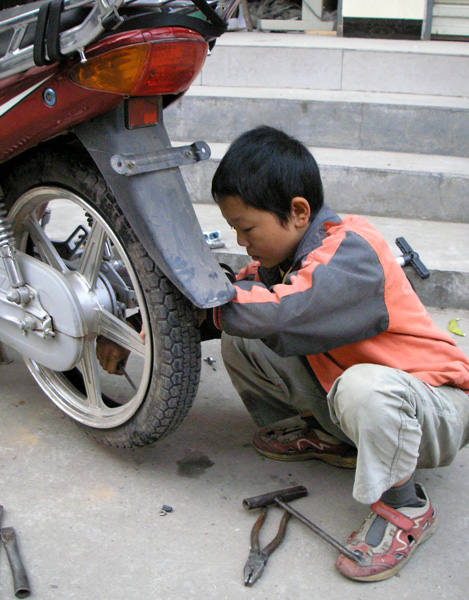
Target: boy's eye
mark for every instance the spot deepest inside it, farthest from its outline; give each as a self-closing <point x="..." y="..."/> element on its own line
<point x="245" y="230"/>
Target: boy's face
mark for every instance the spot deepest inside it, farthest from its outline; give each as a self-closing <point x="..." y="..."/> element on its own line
<point x="261" y="233"/>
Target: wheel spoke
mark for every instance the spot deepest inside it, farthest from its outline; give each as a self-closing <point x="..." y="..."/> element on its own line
<point x="92" y="256"/>
<point x="119" y="332"/>
<point x="90" y="369"/>
<point x="44" y="246"/>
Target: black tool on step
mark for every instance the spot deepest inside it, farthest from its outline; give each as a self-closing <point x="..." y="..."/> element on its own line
<point x="410" y="257"/>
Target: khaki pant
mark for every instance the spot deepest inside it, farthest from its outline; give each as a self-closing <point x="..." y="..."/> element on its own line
<point x="396" y="421"/>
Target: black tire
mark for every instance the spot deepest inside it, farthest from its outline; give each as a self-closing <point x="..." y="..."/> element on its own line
<point x="169" y="370"/>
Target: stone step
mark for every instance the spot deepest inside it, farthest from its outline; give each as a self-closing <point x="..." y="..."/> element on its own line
<point x="334" y="119"/>
<point x="386" y="184"/>
<point x="316" y="62"/>
<point x="442" y="247"/>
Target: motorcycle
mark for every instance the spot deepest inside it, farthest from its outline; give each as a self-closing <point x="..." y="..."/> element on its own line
<point x="98" y="237"/>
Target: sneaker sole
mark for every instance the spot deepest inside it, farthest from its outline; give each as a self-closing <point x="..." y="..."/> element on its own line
<point x="390" y="572"/>
<point x="331" y="459"/>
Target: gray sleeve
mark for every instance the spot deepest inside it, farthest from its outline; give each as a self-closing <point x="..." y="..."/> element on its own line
<point x="343" y="304"/>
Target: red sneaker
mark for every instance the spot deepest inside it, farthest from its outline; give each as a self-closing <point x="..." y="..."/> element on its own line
<point x="293" y="439"/>
<point x="406" y="529"/>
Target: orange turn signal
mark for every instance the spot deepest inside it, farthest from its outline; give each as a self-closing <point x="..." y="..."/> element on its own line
<point x="117" y="71"/>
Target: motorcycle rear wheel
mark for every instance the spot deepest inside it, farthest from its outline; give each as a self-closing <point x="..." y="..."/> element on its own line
<point x="165" y="370"/>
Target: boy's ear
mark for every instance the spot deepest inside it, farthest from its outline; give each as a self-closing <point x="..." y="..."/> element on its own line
<point x="300" y="211"/>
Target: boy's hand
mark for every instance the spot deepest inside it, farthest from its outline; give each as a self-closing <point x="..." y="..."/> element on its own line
<point x="111" y="356"/>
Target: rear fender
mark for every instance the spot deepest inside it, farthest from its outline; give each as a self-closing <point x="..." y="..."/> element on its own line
<point x="157" y="205"/>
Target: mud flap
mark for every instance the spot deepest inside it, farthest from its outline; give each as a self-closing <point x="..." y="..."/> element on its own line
<point x="157" y="205"/>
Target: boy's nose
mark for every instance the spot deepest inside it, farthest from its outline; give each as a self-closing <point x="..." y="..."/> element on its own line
<point x="241" y="238"/>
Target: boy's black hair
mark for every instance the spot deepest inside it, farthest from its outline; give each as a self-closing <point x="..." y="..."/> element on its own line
<point x="267" y="168"/>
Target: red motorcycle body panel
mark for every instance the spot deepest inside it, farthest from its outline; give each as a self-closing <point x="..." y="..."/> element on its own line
<point x="25" y="117"/>
<point x="30" y="121"/>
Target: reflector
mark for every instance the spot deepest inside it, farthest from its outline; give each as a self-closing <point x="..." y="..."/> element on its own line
<point x="141" y="112"/>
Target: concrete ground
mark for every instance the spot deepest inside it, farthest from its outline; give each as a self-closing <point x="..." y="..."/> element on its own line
<point x="88" y="517"/>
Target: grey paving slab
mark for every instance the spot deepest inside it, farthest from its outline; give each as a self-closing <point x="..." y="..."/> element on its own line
<point x="88" y="523"/>
<point x="422" y="74"/>
<point x="317" y="68"/>
<point x="302" y="41"/>
<point x="394" y="192"/>
<point x="326" y="62"/>
<point x="362" y="121"/>
<point x="392" y="184"/>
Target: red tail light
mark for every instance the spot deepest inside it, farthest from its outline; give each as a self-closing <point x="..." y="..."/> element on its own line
<point x="147" y="69"/>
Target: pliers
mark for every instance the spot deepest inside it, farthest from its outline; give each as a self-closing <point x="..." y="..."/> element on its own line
<point x="257" y="557"/>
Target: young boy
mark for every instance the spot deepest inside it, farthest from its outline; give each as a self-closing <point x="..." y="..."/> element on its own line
<point x="331" y="350"/>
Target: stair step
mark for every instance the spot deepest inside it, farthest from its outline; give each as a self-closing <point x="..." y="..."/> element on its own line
<point x="440" y="246"/>
<point x="301" y="61"/>
<point x="384" y="184"/>
<point x="336" y="119"/>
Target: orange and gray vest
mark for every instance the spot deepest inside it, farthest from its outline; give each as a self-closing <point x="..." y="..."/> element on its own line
<point x="346" y="301"/>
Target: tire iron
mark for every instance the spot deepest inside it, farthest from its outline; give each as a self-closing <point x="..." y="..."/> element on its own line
<point x="131" y="383"/>
<point x="121" y="367"/>
<point x="20" y="579"/>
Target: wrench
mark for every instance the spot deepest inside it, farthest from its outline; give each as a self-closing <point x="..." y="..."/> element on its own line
<point x="20" y="579"/>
